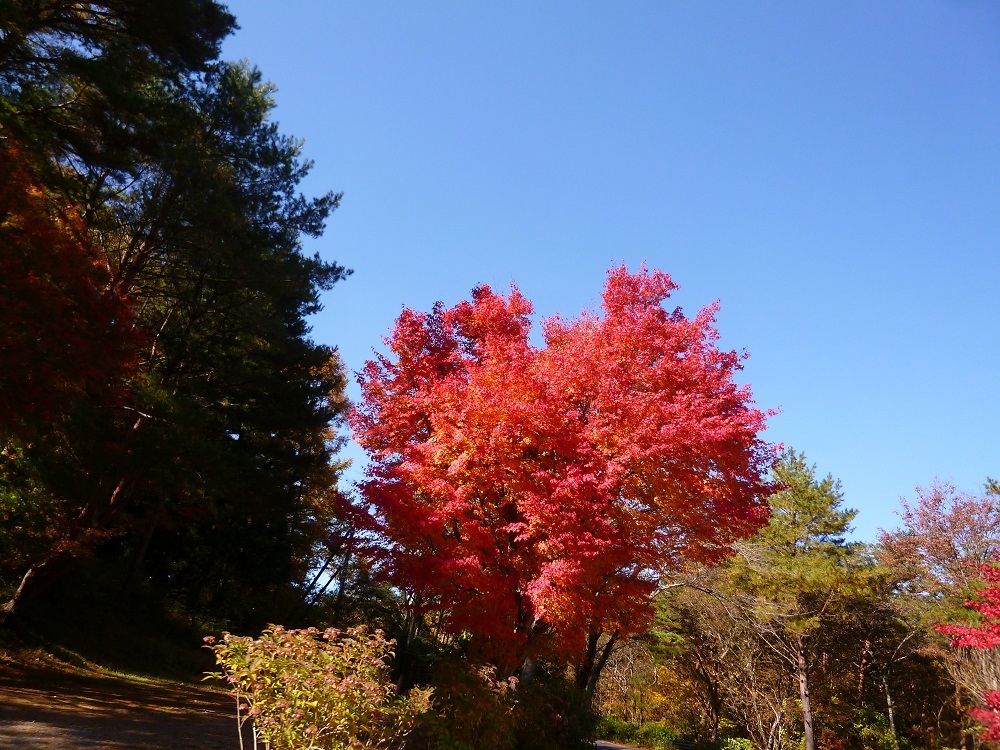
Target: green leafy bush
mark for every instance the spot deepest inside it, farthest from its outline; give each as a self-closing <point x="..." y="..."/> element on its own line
<point x="318" y="690"/>
<point x="657" y="736"/>
<point x="870" y="729"/>
<point x="651" y="734"/>
<point x="613" y="728"/>
<point x="472" y="710"/>
<point x="475" y="710"/>
<point x="552" y="713"/>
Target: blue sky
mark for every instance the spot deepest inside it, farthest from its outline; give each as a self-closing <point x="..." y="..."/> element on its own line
<point x="829" y="171"/>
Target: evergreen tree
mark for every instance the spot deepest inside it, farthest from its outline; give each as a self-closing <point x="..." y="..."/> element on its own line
<point x="791" y="576"/>
<point x="211" y="470"/>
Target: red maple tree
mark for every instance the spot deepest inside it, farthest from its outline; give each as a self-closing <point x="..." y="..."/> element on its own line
<point x="538" y="494"/>
<point x="63" y="332"/>
<point x="985" y="635"/>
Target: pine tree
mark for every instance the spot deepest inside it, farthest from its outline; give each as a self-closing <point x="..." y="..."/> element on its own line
<point x="789" y="578"/>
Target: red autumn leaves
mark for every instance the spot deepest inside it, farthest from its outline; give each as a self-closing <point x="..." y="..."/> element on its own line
<point x="539" y="493"/>
<point x="63" y="332"/>
<point x="985" y="635"/>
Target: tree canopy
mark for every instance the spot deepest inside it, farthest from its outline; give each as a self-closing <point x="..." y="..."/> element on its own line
<point x="538" y="494"/>
<point x="161" y="397"/>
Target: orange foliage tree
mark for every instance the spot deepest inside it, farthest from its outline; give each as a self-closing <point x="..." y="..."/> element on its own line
<point x="63" y="332"/>
<point x="538" y="494"/>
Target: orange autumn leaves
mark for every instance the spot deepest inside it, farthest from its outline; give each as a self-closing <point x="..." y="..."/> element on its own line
<point x="539" y="493"/>
<point x="63" y="332"/>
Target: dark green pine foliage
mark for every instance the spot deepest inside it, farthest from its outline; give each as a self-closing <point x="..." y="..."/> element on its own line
<point x="226" y="290"/>
<point x="212" y="474"/>
<point x="797" y="571"/>
<point x="89" y="82"/>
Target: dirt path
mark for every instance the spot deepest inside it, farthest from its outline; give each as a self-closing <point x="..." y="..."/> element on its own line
<point x="45" y="707"/>
<point x="48" y="706"/>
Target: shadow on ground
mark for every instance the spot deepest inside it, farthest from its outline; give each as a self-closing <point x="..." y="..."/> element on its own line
<point x="45" y="708"/>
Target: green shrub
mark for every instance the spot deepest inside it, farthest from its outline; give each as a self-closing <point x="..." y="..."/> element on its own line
<point x="870" y="729"/>
<point x="472" y="710"/>
<point x="318" y="690"/>
<point x="613" y="728"/>
<point x="657" y="736"/>
<point x="651" y="734"/>
<point x="735" y="743"/>
<point x="552" y="714"/>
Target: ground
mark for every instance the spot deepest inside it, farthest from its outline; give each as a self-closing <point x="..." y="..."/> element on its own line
<point x="46" y="705"/>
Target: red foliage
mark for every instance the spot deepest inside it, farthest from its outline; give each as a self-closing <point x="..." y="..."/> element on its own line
<point x="987" y="603"/>
<point x="985" y="635"/>
<point x="62" y="333"/>
<point x="533" y="492"/>
<point x="989" y="717"/>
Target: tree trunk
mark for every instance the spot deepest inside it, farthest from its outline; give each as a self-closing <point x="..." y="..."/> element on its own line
<point x="527" y="673"/>
<point x="147" y="537"/>
<point x="891" y="712"/>
<point x="963" y="742"/>
<point x="714" y="709"/>
<point x="92" y="520"/>
<point x="411" y="626"/>
<point x="862" y="667"/>
<point x="338" y="603"/>
<point x="774" y="740"/>
<point x="595" y="674"/>
<point x="594" y="660"/>
<point x="713" y="701"/>
<point x="589" y="658"/>
<point x="803" y="674"/>
<point x="38" y="578"/>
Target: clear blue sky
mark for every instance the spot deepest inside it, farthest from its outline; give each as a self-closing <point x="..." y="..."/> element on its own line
<point x="829" y="171"/>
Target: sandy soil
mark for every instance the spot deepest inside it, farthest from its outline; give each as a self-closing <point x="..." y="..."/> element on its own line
<point x="45" y="706"/>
